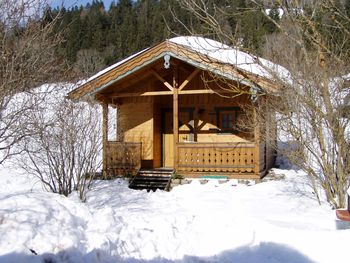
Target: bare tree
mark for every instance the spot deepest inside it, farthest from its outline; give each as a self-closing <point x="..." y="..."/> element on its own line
<point x="89" y="61"/>
<point x="27" y="59"/>
<point x="312" y="42"/>
<point x="58" y="140"/>
<point x="63" y="151"/>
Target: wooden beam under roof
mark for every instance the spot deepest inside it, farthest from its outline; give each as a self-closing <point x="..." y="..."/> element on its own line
<point x="189" y="78"/>
<point x="196" y="91"/>
<point x="162" y="93"/>
<point x="166" y="84"/>
<point x="142" y="94"/>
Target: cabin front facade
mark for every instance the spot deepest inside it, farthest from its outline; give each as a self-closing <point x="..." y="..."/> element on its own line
<point x="179" y="107"/>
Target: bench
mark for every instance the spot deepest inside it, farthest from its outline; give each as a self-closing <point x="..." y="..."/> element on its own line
<point x="344" y="214"/>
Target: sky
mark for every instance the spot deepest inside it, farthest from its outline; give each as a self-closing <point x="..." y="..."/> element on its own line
<point x="71" y="3"/>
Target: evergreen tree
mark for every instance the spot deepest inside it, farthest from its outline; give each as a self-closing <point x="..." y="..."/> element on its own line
<point x="121" y="34"/>
<point x="128" y="26"/>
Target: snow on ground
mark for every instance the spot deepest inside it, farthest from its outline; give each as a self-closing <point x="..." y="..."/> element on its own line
<point x="276" y="221"/>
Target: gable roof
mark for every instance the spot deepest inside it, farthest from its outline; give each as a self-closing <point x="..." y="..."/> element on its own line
<point x="202" y="53"/>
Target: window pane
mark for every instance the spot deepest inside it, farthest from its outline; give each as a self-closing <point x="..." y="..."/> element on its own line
<point x="227" y="119"/>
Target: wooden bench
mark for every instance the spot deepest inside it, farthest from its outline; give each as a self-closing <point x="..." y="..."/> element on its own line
<point x="344" y="214"/>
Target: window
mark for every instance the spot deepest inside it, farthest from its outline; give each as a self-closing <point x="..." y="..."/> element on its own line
<point x="227" y="118"/>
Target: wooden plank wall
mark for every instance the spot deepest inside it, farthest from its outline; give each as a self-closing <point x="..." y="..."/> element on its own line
<point x="157" y="137"/>
<point x="136" y="124"/>
<point x="268" y="144"/>
<point x="140" y="119"/>
<point x="205" y="116"/>
<point x="262" y="159"/>
<point x="271" y="142"/>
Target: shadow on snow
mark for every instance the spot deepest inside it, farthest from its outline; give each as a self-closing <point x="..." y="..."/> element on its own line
<point x="264" y="252"/>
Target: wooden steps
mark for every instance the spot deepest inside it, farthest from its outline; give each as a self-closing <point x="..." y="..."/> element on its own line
<point x="152" y="180"/>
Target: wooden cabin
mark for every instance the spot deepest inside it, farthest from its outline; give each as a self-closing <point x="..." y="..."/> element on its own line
<point x="178" y="104"/>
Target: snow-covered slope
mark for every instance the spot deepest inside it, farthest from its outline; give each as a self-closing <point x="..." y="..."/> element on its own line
<point x="277" y="221"/>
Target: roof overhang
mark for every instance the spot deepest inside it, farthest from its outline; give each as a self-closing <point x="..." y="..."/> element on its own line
<point x="135" y="63"/>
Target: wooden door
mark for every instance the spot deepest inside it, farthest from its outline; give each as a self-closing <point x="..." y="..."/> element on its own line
<point x="168" y="139"/>
<point x="185" y="133"/>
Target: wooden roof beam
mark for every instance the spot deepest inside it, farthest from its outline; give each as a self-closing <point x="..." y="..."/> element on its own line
<point x="166" y="84"/>
<point x="196" y="91"/>
<point x="143" y="94"/>
<point x="189" y="78"/>
<point x="162" y="93"/>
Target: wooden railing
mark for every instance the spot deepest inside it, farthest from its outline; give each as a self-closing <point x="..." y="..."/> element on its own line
<point x="123" y="158"/>
<point x="217" y="157"/>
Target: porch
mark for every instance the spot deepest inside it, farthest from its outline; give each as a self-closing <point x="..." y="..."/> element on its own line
<point x="234" y="160"/>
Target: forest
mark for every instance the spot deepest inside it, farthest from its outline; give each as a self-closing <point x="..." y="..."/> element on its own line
<point x="96" y="36"/>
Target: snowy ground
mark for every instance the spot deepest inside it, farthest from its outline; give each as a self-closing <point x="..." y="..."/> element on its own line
<point x="277" y="221"/>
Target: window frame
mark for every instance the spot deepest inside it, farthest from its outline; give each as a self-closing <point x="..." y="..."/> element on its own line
<point x="220" y="112"/>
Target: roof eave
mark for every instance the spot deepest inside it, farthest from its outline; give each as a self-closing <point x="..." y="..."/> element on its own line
<point x="177" y="51"/>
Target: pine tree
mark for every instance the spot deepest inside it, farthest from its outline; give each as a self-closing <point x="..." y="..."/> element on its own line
<point x="121" y="33"/>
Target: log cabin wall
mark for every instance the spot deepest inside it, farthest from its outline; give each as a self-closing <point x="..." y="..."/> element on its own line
<point x="157" y="136"/>
<point x="147" y="85"/>
<point x="204" y="109"/>
<point x="267" y="155"/>
<point x="271" y="139"/>
<point x="262" y="156"/>
<point x="141" y="119"/>
<point x="136" y="125"/>
<point x="268" y="143"/>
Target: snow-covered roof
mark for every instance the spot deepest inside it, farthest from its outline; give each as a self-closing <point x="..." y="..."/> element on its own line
<point x="230" y="55"/>
<point x="204" y="53"/>
<point x="100" y="73"/>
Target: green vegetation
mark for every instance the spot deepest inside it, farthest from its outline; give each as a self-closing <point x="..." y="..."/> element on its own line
<point x="96" y="36"/>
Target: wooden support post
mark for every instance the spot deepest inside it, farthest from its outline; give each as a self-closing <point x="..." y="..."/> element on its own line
<point x="176" y="115"/>
<point x="257" y="143"/>
<point x="119" y="133"/>
<point x="104" y="138"/>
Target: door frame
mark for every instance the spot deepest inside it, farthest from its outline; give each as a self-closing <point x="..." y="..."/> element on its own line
<point x="190" y="111"/>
